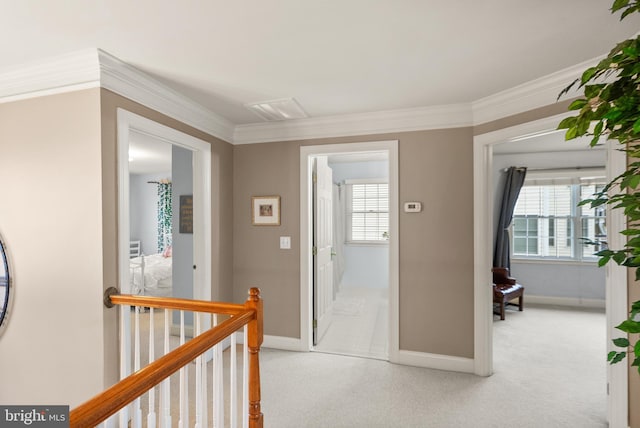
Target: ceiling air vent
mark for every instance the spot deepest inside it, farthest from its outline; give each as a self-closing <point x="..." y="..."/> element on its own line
<point x="282" y="109"/>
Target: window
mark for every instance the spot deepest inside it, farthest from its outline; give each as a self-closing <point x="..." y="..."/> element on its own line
<point x="549" y="224"/>
<point x="367" y="211"/>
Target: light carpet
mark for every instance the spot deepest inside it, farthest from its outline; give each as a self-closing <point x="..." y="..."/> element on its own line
<point x="550" y="371"/>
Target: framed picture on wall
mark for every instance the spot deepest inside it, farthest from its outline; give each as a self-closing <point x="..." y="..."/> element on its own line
<point x="186" y="214"/>
<point x="265" y="210"/>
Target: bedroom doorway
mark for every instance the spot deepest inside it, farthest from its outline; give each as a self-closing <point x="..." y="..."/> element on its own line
<point x="616" y="296"/>
<point x="175" y="256"/>
<point x="349" y="303"/>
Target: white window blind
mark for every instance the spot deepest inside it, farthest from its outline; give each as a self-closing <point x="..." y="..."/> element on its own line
<point x="368" y="212"/>
<point x="548" y="223"/>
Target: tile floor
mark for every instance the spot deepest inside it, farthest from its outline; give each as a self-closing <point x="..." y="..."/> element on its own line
<point x="360" y="325"/>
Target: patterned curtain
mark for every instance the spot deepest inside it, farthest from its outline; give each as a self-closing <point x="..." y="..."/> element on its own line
<point x="164" y="215"/>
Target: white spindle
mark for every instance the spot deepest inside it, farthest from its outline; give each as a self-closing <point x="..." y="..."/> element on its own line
<point x="184" y="390"/>
<point x="205" y="383"/>
<point x="112" y="422"/>
<point x="218" y="383"/>
<point x="245" y="378"/>
<point x="199" y="388"/>
<point x="137" y="411"/>
<point x="125" y="355"/>
<point x="165" y="388"/>
<point x="151" y="417"/>
<point x="233" y="385"/>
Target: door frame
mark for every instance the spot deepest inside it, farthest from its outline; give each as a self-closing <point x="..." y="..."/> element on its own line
<point x="127" y="122"/>
<point x="306" y="222"/>
<point x="616" y="296"/>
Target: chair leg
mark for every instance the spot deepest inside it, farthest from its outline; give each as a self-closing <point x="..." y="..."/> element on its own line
<point x="502" y="304"/>
<point x="521" y="303"/>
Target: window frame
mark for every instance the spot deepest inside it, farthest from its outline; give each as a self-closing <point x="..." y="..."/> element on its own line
<point x="575" y="220"/>
<point x="349" y="212"/>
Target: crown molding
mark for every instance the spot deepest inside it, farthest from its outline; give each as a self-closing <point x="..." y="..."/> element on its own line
<point x="128" y="81"/>
<point x="528" y="96"/>
<point x="65" y="73"/>
<point x="92" y="68"/>
<point x="415" y="119"/>
<point x="97" y="68"/>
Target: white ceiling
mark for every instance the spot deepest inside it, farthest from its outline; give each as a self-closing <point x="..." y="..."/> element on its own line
<point x="334" y="57"/>
<point x="545" y="142"/>
<point x="148" y="155"/>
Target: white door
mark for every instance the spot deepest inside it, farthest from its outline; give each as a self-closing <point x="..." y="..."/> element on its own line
<point x="322" y="246"/>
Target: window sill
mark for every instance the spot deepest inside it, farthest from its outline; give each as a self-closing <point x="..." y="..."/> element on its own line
<point x="555" y="261"/>
<point x="367" y="243"/>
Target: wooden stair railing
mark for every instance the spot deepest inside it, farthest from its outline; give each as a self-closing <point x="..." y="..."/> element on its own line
<point x="110" y="401"/>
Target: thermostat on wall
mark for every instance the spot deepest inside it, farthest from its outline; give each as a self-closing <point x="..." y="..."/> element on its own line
<point x="412" y="207"/>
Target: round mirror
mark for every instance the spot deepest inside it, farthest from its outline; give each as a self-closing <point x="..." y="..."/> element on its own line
<point x="5" y="285"/>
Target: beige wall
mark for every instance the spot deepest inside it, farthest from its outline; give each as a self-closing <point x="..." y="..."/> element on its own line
<point x="436" y="246"/>
<point x="50" y="215"/>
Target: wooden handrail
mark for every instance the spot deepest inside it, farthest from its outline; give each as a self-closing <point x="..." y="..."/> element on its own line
<point x="107" y="403"/>
<point x="178" y="304"/>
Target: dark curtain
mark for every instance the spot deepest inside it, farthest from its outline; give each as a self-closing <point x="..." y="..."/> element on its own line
<point x="512" y="186"/>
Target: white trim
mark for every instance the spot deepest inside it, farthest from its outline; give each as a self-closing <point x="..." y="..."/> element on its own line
<point x="482" y="251"/>
<point x="436" y="361"/>
<point x="366" y="181"/>
<point x="416" y="119"/>
<point x="283" y="343"/>
<point x="64" y="73"/>
<point x="123" y="79"/>
<point x="95" y="67"/>
<point x="575" y="302"/>
<point x="90" y="68"/>
<point x="617" y="401"/>
<point x="530" y="95"/>
<point x="306" y="153"/>
<point x="616" y="300"/>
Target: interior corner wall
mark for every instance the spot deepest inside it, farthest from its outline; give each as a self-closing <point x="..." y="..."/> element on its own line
<point x="50" y="216"/>
<point x="436" y="260"/>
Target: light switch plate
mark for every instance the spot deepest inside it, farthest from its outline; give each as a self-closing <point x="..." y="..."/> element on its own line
<point x="285" y="242"/>
<point x="412" y="207"/>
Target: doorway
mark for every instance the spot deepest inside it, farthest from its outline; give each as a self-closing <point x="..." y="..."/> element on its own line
<point x="355" y="312"/>
<point x="190" y="171"/>
<point x="616" y="295"/>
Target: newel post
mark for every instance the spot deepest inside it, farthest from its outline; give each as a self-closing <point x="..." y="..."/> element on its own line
<point x="255" y="335"/>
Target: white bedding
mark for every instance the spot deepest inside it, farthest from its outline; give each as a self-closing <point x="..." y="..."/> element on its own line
<point x="157" y="279"/>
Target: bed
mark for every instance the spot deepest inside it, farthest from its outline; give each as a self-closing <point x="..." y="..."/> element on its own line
<point x="151" y="275"/>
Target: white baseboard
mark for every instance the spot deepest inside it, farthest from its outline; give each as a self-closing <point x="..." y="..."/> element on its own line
<point x="283" y="343"/>
<point x="409" y="358"/>
<point x="576" y="302"/>
<point x="435" y="361"/>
